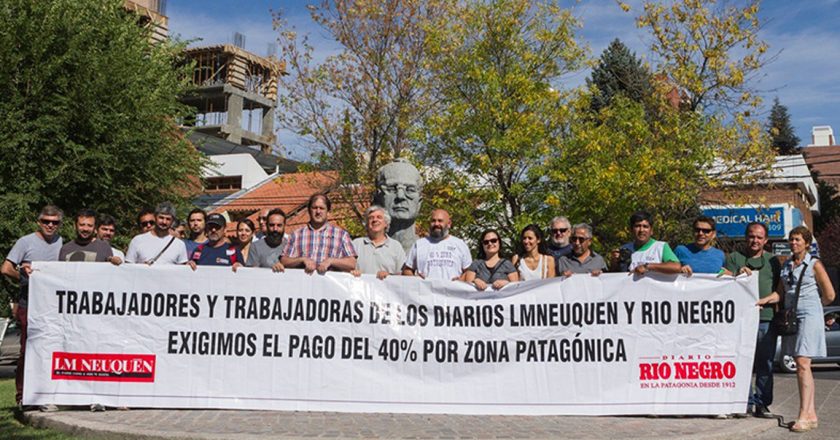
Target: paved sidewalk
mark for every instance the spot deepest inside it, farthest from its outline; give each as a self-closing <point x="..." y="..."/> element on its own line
<point x="217" y="424"/>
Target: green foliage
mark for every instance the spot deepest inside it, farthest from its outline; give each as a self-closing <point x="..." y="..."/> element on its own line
<point x="87" y="115"/>
<point x="12" y="428"/>
<point x="619" y="72"/>
<point x="781" y="132"/>
<point x="493" y="64"/>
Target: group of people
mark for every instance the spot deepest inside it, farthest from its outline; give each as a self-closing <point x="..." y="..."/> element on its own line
<point x="321" y="246"/>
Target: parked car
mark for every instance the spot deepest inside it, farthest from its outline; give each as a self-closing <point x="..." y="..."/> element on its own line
<point x="787" y="364"/>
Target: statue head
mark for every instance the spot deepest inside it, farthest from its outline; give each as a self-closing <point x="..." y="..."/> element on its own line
<point x="398" y="186"/>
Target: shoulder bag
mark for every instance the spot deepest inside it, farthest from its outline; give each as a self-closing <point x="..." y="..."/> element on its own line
<point x="784" y="321"/>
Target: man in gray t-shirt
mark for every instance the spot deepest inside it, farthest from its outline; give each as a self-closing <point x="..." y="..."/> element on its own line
<point x="267" y="252"/>
<point x="378" y="253"/>
<point x="86" y="247"/>
<point x="42" y="245"/>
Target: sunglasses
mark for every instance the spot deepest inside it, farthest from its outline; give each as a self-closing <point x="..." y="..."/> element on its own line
<point x="147" y="223"/>
<point x="580" y="239"/>
<point x="704" y="230"/>
<point x="490" y="241"/>
<point x="50" y="222"/>
<point x="213" y="226"/>
<point x="559" y="230"/>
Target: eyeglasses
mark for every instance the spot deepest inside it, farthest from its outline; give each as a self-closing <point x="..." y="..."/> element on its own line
<point x="409" y="190"/>
<point x="559" y="230"/>
<point x="580" y="239"/>
<point x="147" y="223"/>
<point x="704" y="230"/>
<point x="490" y="241"/>
<point x="50" y="222"/>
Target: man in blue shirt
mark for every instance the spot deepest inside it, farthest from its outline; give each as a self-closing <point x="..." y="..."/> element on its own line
<point x="218" y="251"/>
<point x="700" y="256"/>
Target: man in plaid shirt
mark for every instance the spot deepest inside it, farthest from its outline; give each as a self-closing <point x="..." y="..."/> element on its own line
<point x="319" y="245"/>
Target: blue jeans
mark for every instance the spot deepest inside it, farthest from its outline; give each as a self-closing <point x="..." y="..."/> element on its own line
<point x="765" y="351"/>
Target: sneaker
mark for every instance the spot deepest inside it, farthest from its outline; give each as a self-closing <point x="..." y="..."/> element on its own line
<point x="97" y="407"/>
<point x="764" y="412"/>
<point x="48" y="408"/>
<point x="721" y="416"/>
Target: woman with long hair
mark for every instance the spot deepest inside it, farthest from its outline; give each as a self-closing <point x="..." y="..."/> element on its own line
<point x="804" y="276"/>
<point x="490" y="268"/>
<point x="245" y="236"/>
<point x="531" y="261"/>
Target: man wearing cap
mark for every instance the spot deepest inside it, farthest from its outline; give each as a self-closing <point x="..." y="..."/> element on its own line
<point x="218" y="251"/>
<point x="158" y="246"/>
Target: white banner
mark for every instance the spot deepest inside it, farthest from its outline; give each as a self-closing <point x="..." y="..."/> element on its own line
<point x="165" y="336"/>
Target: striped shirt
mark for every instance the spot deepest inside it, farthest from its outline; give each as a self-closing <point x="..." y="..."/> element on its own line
<point x="328" y="242"/>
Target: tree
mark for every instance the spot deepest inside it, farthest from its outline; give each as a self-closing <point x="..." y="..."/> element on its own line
<point x="494" y="63"/>
<point x="87" y="115"/>
<point x="619" y="71"/>
<point x="781" y="132"/>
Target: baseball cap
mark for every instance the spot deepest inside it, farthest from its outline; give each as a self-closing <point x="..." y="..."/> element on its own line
<point x="216" y="219"/>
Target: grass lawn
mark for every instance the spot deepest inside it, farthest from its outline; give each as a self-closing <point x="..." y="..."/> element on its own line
<point x="12" y="428"/>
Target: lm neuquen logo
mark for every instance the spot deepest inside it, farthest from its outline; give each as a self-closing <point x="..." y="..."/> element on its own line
<point x="103" y="367"/>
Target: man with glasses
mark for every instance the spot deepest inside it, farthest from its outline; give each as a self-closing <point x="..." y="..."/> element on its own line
<point x="439" y="256"/>
<point x="218" y="251"/>
<point x="701" y="256"/>
<point x="582" y="259"/>
<point x="158" y="246"/>
<point x="645" y="254"/>
<point x="398" y="187"/>
<point x="267" y="252"/>
<point x="558" y="239"/>
<point x="262" y="220"/>
<point x="42" y="245"/>
<point x="753" y="258"/>
<point x="195" y="222"/>
<point x="146" y="220"/>
<point x="319" y="246"/>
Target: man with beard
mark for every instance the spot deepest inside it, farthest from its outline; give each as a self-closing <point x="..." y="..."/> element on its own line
<point x="379" y="254"/>
<point x="42" y="245"/>
<point x="106" y="228"/>
<point x="157" y="245"/>
<point x="86" y="247"/>
<point x="195" y="223"/>
<point x="558" y="238"/>
<point x="218" y="251"/>
<point x="319" y="246"/>
<point x="753" y="258"/>
<point x="267" y="252"/>
<point x="439" y="256"/>
<point x="647" y="254"/>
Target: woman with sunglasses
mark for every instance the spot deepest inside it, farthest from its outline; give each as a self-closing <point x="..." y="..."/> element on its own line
<point x="490" y="269"/>
<point x="245" y="236"/>
<point x="809" y="274"/>
<point x="531" y="262"/>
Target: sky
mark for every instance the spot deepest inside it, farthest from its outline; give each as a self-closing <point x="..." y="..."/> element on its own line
<point x="805" y="75"/>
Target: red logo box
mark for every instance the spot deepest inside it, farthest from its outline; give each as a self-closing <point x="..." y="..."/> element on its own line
<point x="103" y="367"/>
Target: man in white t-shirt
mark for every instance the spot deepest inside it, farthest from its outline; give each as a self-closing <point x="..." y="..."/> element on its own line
<point x="158" y="246"/>
<point x="439" y="256"/>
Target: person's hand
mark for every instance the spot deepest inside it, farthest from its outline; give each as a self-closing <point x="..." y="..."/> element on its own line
<point x="115" y="260"/>
<point x="498" y="284"/>
<point x="235" y="266"/>
<point x="192" y="265"/>
<point x="567" y="273"/>
<point x="278" y="267"/>
<point x="324" y="266"/>
<point x="596" y="272"/>
<point x="309" y="266"/>
<point x="26" y="268"/>
<point x="479" y="284"/>
<point x="382" y="274"/>
<point x="356" y="273"/>
<point x="639" y="270"/>
<point x="686" y="270"/>
<point x="746" y="271"/>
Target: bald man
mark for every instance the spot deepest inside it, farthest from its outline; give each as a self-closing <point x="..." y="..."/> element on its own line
<point x="439" y="256"/>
